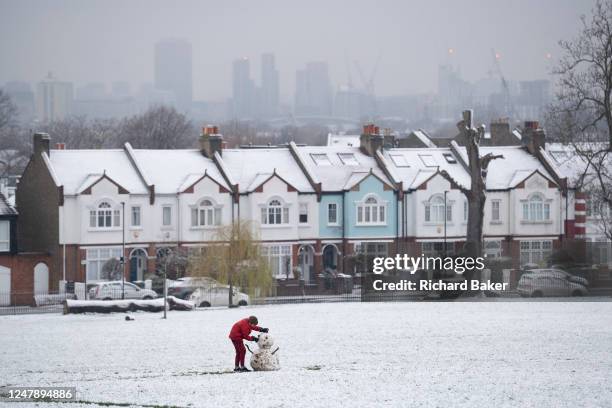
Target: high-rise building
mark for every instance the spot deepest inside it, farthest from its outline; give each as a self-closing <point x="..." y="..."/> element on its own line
<point x="243" y="90"/>
<point x="54" y="99"/>
<point x="313" y="92"/>
<point x="269" y="86"/>
<point x="174" y="70"/>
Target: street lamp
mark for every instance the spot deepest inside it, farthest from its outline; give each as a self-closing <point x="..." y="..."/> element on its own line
<point x="123" y="250"/>
<point x="445" y="218"/>
<point x="84" y="264"/>
<point x="168" y="251"/>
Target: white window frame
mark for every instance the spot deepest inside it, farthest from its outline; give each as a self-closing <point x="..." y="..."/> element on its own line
<point x="496" y="211"/>
<point x="275" y="212"/>
<point x="95" y="259"/>
<point x="536" y="209"/>
<point x="492" y="249"/>
<point x="399" y="160"/>
<point x="335" y="222"/>
<point x="133" y="214"/>
<point x="465" y="211"/>
<point x="435" y="208"/>
<point x="205" y="214"/>
<point x="5" y="244"/>
<point x="370" y="211"/>
<point x="321" y="159"/>
<point x="303" y="211"/>
<point x="105" y="216"/>
<point x="280" y="257"/>
<point x="535" y="251"/>
<point x="167" y="207"/>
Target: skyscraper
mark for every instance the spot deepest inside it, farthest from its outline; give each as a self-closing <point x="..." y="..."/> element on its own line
<point x="54" y="99"/>
<point x="243" y="90"/>
<point x="269" y="86"/>
<point x="313" y="93"/>
<point x="174" y="70"/>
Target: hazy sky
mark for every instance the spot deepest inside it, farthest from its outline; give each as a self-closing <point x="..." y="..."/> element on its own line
<point x="108" y="40"/>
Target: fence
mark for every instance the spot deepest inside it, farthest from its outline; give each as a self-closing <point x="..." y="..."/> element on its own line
<point x="550" y="282"/>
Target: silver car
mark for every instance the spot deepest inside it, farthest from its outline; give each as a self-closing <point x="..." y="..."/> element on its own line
<point x="116" y="290"/>
<point x="539" y="285"/>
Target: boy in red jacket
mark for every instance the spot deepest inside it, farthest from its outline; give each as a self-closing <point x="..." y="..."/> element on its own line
<point x="241" y="330"/>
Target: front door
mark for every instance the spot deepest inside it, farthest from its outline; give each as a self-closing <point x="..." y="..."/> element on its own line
<point x="330" y="256"/>
<point x="306" y="260"/>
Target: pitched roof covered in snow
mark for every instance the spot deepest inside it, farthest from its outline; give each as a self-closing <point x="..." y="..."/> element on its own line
<point x="249" y="168"/>
<point x="74" y="168"/>
<point x="172" y="171"/>
<point x="5" y="207"/>
<point x="414" y="166"/>
<point x="337" y="166"/>
<point x="342" y="140"/>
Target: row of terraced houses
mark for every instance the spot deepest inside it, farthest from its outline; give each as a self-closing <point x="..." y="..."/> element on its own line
<point x="314" y="206"/>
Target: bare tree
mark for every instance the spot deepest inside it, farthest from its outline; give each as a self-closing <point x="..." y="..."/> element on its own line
<point x="160" y="127"/>
<point x="79" y="132"/>
<point x="476" y="194"/>
<point x="582" y="113"/>
<point x="8" y="111"/>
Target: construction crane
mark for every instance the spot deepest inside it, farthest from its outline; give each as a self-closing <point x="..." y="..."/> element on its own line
<point x="505" y="87"/>
<point x="368" y="83"/>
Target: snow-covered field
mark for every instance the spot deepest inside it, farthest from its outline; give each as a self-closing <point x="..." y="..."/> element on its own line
<point x="550" y="354"/>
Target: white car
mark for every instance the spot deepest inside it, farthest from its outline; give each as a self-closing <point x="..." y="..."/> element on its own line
<point x="112" y="290"/>
<point x="560" y="273"/>
<point x="218" y="296"/>
<point x="538" y="285"/>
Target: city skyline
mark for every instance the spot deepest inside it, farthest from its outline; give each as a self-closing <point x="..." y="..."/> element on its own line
<point x="330" y="33"/>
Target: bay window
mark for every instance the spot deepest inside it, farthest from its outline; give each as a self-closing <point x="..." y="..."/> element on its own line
<point x="535" y="252"/>
<point x="279" y="259"/>
<point x="536" y="209"/>
<point x="205" y="214"/>
<point x="435" y="210"/>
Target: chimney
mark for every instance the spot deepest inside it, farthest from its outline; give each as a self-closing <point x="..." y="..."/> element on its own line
<point x="534" y="137"/>
<point x="370" y="140"/>
<point x="60" y="146"/>
<point x="211" y="141"/>
<point x="41" y="143"/>
<point x="500" y="130"/>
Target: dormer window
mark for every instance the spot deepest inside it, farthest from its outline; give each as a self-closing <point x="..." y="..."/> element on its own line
<point x="104" y="216"/>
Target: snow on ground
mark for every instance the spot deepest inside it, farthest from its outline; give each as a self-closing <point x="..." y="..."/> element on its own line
<point x="551" y="354"/>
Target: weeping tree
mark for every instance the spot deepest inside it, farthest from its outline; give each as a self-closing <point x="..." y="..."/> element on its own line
<point x="234" y="258"/>
<point x="476" y="194"/>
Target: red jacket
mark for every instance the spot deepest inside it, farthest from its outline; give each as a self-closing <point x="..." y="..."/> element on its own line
<point x="241" y="330"/>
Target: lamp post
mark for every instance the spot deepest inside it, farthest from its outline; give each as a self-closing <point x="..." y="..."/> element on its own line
<point x="84" y="264"/>
<point x="445" y="218"/>
<point x="167" y="255"/>
<point x="123" y="250"/>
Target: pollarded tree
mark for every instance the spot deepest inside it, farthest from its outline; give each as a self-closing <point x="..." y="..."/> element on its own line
<point x="476" y="194"/>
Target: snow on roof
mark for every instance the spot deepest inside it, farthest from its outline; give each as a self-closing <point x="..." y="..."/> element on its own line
<point x="5" y="207"/>
<point x="516" y="165"/>
<point x="72" y="168"/>
<point x="424" y="138"/>
<point x="413" y="166"/>
<point x="336" y="175"/>
<point x="566" y="162"/>
<point x="343" y="140"/>
<point x="247" y="166"/>
<point x="171" y="169"/>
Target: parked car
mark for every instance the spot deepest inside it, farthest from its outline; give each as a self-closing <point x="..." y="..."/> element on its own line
<point x="218" y="296"/>
<point x="112" y="290"/>
<point x="182" y="288"/>
<point x="561" y="274"/>
<point x="538" y="285"/>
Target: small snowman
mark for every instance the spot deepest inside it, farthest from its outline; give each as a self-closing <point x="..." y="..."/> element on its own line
<point x="264" y="359"/>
